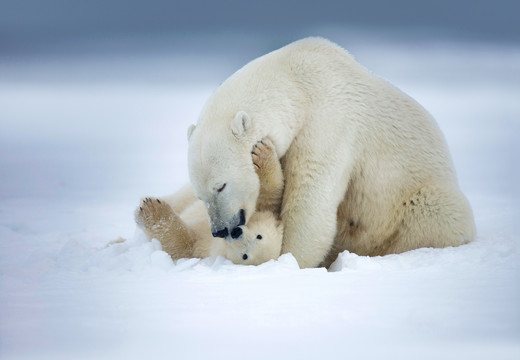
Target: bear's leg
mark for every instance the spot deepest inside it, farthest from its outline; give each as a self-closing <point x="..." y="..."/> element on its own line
<point x="309" y="211"/>
<point x="309" y="230"/>
<point x="434" y="216"/>
<point x="313" y="191"/>
<point x="157" y="219"/>
<point x="270" y="174"/>
<point x="183" y="198"/>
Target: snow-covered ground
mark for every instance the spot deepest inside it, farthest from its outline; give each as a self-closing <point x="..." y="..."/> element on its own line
<point x="83" y="138"/>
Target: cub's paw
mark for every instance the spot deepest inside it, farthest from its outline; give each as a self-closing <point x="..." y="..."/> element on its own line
<point x="153" y="214"/>
<point x="264" y="155"/>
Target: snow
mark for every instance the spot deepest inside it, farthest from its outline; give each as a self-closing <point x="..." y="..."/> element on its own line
<point x="81" y="143"/>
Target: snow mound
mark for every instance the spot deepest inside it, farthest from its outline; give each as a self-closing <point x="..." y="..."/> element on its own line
<point x="138" y="254"/>
<point x="480" y="252"/>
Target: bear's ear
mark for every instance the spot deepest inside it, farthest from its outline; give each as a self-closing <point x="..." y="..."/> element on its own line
<point x="240" y="124"/>
<point x="190" y="130"/>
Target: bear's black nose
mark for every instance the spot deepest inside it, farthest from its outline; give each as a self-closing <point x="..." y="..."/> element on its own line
<point x="236" y="232"/>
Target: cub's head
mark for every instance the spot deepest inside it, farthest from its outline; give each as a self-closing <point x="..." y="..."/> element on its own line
<point x="222" y="172"/>
<point x="258" y="242"/>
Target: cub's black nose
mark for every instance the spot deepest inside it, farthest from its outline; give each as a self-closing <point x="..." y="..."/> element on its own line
<point x="236" y="232"/>
<point x="221" y="233"/>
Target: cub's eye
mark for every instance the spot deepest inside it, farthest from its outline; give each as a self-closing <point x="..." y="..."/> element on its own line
<point x="259" y="237"/>
<point x="221" y="188"/>
<point x="244" y="257"/>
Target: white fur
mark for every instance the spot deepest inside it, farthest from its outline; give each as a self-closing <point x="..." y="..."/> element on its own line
<point x="366" y="167"/>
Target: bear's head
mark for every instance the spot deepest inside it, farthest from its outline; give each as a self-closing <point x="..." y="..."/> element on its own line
<point x="258" y="242"/>
<point x="222" y="172"/>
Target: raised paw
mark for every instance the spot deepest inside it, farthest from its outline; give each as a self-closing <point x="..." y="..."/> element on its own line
<point x="152" y="214"/>
<point x="264" y="156"/>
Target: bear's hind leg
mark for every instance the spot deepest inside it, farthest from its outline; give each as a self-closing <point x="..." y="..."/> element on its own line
<point x="434" y="216"/>
<point x="157" y="219"/>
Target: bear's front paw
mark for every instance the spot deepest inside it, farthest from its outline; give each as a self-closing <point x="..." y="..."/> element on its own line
<point x="152" y="214"/>
<point x="263" y="155"/>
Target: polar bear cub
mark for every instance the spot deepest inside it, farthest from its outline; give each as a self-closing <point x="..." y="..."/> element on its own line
<point x="183" y="229"/>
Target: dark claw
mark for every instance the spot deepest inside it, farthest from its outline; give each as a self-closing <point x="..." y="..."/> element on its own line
<point x="159" y="201"/>
<point x="141" y="208"/>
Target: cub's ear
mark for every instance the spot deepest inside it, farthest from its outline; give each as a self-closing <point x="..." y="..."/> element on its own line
<point x="190" y="131"/>
<point x="240" y="124"/>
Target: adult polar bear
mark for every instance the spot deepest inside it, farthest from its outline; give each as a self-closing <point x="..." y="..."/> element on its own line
<point x="366" y="167"/>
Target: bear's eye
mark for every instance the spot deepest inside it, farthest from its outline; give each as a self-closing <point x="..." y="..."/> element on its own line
<point x="259" y="237"/>
<point x="221" y="188"/>
<point x="244" y="257"/>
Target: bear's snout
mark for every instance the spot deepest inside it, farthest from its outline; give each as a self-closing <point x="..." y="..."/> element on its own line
<point x="238" y="219"/>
